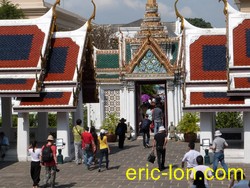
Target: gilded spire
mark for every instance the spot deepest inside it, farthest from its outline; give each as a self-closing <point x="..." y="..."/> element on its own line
<point x="152" y="2"/>
<point x="151" y="24"/>
<point x="92" y="16"/>
<point x="178" y="15"/>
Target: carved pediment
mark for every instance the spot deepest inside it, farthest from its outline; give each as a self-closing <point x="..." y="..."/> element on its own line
<point x="150" y="52"/>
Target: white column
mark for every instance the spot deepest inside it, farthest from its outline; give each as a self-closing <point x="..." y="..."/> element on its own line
<point x="63" y="132"/>
<point x="7" y="116"/>
<point x="123" y="100"/>
<point x="42" y="130"/>
<point x="206" y="127"/>
<point x="131" y="107"/>
<point x="22" y="136"/>
<point x="246" y="120"/>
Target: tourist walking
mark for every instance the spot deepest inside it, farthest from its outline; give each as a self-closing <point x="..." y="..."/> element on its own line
<point x="88" y="147"/>
<point x="104" y="149"/>
<point x="190" y="156"/>
<point x="159" y="144"/>
<point x="144" y="129"/>
<point x="49" y="160"/>
<point x="219" y="144"/>
<point x="77" y="131"/>
<point x="157" y="117"/>
<point x="202" y="168"/>
<point x="35" y="166"/>
<point x="93" y="132"/>
<point x="120" y="131"/>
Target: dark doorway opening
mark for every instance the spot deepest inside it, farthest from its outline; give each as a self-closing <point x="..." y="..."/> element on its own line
<point x="145" y="98"/>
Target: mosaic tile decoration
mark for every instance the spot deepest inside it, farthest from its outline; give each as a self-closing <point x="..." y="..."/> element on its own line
<point x="112" y="101"/>
<point x="214" y="98"/>
<point x="241" y="44"/>
<point x="20" y="46"/>
<point x="149" y="64"/>
<point x="208" y="58"/>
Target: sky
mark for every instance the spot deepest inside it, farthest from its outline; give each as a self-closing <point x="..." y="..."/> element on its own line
<point x="126" y="11"/>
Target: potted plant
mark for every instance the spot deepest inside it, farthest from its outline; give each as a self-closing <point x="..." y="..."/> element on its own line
<point x="109" y="124"/>
<point x="188" y="126"/>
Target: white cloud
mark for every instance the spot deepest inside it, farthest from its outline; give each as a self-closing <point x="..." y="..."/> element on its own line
<point x="134" y="4"/>
<point x="186" y="12"/>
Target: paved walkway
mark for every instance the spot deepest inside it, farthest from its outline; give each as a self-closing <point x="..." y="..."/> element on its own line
<point x="16" y="174"/>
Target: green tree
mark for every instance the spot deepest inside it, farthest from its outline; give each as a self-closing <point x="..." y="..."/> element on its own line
<point x="9" y="10"/>
<point x="229" y="120"/>
<point x="148" y="89"/>
<point x="199" y="22"/>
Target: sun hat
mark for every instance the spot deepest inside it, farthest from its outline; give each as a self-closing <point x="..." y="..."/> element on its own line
<point x="50" y="138"/>
<point x="102" y="131"/>
<point x="123" y="120"/>
<point x="161" y="128"/>
<point x="217" y="133"/>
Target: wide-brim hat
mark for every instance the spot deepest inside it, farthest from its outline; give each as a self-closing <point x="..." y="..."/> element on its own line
<point x="161" y="128"/>
<point x="123" y="120"/>
<point x="50" y="138"/>
<point x="217" y="133"/>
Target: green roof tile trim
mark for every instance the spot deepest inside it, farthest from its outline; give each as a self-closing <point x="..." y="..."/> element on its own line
<point x="107" y="76"/>
<point x="107" y="61"/>
<point x="128" y="53"/>
<point x="175" y="47"/>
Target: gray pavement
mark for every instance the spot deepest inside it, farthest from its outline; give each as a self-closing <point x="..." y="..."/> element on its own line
<point x="133" y="157"/>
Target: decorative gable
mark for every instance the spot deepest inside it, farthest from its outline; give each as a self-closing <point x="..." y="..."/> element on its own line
<point x="149" y="64"/>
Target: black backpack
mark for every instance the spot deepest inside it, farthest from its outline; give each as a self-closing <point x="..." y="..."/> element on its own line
<point x="47" y="154"/>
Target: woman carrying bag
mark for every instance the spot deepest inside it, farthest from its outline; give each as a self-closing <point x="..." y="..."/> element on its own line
<point x="35" y="167"/>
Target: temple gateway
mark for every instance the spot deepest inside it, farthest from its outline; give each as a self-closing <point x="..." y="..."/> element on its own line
<point x="44" y="71"/>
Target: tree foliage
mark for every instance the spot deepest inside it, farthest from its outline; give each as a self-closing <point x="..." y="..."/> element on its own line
<point x="199" y="22"/>
<point x="188" y="123"/>
<point x="102" y="36"/>
<point x="229" y="120"/>
<point x="10" y="11"/>
<point x="148" y="89"/>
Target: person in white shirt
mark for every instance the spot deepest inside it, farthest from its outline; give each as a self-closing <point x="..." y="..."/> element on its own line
<point x="190" y="156"/>
<point x="35" y="167"/>
<point x="204" y="169"/>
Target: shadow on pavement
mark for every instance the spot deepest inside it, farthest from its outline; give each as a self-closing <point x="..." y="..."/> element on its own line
<point x="4" y="164"/>
<point x="65" y="185"/>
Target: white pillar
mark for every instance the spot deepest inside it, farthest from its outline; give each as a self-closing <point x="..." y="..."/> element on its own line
<point x="63" y="132"/>
<point x="131" y="107"/>
<point x="206" y="128"/>
<point x="246" y="120"/>
<point x="42" y="130"/>
<point x="22" y="136"/>
<point x="7" y="116"/>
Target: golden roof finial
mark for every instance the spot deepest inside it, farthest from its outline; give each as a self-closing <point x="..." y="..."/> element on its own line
<point x="54" y="6"/>
<point x="225" y="6"/>
<point x="91" y="17"/>
<point x="151" y="2"/>
<point x="179" y="15"/>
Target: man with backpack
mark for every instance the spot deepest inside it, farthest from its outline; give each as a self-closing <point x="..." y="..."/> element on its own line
<point x="49" y="160"/>
<point x="144" y="129"/>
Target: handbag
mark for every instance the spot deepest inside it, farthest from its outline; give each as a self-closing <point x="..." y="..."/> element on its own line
<point x="151" y="157"/>
<point x="152" y="126"/>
